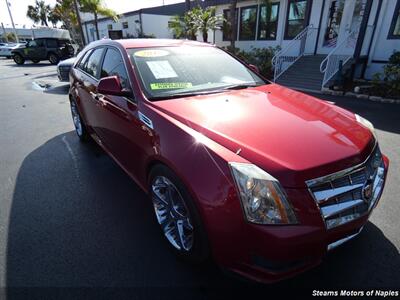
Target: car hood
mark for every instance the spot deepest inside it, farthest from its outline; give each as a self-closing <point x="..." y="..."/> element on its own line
<point x="292" y="136"/>
<point x="67" y="62"/>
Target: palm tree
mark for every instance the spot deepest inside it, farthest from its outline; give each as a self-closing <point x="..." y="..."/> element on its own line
<point x="64" y="10"/>
<point x="97" y="8"/>
<point x="183" y="26"/>
<point x="206" y="20"/>
<point x="39" y="12"/>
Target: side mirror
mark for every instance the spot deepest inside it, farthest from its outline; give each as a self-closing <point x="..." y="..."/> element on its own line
<point x="111" y="86"/>
<point x="254" y="68"/>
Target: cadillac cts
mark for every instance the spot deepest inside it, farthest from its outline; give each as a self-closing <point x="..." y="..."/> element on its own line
<point x="263" y="179"/>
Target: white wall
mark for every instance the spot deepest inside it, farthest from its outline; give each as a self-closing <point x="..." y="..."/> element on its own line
<point x="157" y="25"/>
<point x="382" y="47"/>
<point x="247" y="45"/>
<point x="151" y="24"/>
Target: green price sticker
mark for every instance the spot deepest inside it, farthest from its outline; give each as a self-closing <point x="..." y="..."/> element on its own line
<point x="170" y="85"/>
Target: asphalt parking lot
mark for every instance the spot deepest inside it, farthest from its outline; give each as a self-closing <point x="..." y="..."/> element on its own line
<point x="70" y="217"/>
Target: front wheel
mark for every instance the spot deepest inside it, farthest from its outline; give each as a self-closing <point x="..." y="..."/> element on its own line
<point x="80" y="127"/>
<point x="177" y="215"/>
<point x="18" y="59"/>
<point x="53" y="58"/>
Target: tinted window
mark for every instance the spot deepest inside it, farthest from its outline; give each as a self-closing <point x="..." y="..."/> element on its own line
<point x="113" y="65"/>
<point x="268" y="21"/>
<point x="36" y="43"/>
<point x="248" y="23"/>
<point x="92" y="65"/>
<point x="226" y="25"/>
<point x="52" y="43"/>
<point x="296" y="17"/>
<point x="84" y="59"/>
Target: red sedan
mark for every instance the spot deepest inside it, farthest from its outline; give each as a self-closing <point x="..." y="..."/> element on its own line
<point x="263" y="179"/>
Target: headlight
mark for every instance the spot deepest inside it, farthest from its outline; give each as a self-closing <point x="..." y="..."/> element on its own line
<point x="365" y="123"/>
<point x="263" y="199"/>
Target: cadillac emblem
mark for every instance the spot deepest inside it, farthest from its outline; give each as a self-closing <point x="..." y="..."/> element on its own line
<point x="367" y="191"/>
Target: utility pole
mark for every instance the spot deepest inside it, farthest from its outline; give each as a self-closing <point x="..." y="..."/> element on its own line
<point x="12" y="21"/>
<point x="78" y="16"/>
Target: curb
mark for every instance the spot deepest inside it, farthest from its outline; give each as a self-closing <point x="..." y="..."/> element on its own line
<point x="360" y="96"/>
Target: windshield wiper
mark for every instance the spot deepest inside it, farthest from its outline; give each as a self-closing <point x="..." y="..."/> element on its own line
<point x="241" y="86"/>
<point x="182" y="95"/>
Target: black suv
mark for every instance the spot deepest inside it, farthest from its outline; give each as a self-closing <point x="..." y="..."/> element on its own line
<point x="36" y="50"/>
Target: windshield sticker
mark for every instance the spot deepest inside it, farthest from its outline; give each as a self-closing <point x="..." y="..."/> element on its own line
<point x="161" y="69"/>
<point x="151" y="53"/>
<point x="170" y="85"/>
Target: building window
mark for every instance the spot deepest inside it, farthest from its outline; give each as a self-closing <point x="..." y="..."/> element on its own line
<point x="109" y="26"/>
<point x="226" y="26"/>
<point x="268" y="22"/>
<point x="248" y="23"/>
<point x="297" y="17"/>
<point x="394" y="32"/>
<point x="125" y="25"/>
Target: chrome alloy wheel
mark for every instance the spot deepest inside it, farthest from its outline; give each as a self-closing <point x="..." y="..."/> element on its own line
<point x="76" y="119"/>
<point x="172" y="213"/>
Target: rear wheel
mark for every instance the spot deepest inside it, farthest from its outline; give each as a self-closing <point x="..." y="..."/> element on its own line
<point x="53" y="58"/>
<point x="35" y="61"/>
<point x="177" y="215"/>
<point x="19" y="60"/>
<point x="80" y="127"/>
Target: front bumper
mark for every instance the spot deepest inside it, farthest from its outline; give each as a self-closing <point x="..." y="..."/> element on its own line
<point x="271" y="253"/>
<point x="63" y="74"/>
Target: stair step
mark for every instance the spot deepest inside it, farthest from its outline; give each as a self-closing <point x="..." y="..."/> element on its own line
<point x="299" y="79"/>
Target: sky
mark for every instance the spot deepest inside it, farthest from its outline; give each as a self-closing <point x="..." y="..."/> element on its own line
<point x="19" y="8"/>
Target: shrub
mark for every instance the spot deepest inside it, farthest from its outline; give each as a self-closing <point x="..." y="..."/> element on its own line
<point x="388" y="83"/>
<point x="261" y="57"/>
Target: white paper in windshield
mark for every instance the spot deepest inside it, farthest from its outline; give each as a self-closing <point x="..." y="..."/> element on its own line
<point x="161" y="69"/>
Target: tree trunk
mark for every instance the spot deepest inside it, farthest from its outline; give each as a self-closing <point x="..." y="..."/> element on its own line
<point x="78" y="16"/>
<point x="205" y="36"/>
<point x="233" y="22"/>
<point x="96" y="24"/>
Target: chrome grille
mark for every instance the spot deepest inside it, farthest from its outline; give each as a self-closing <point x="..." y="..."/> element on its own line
<point x="349" y="194"/>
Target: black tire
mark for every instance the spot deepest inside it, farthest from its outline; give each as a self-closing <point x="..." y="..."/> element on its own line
<point x="54" y="58"/>
<point x="199" y="251"/>
<point x="18" y="59"/>
<point x="35" y="61"/>
<point x="81" y="131"/>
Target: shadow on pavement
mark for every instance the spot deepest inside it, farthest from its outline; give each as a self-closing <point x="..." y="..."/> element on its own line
<point x="77" y="220"/>
<point x="384" y="116"/>
<point x="59" y="89"/>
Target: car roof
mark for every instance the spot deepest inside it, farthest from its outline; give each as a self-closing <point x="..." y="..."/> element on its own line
<point x="143" y="43"/>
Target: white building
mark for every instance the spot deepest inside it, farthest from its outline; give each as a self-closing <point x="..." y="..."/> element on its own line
<point x="315" y="36"/>
<point x="151" y="21"/>
<point x="360" y="33"/>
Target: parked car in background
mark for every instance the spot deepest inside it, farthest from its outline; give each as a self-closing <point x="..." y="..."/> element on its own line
<point x="64" y="67"/>
<point x="6" y="50"/>
<point x="265" y="179"/>
<point x="51" y="49"/>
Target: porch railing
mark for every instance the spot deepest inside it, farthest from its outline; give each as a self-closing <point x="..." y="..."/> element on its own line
<point x="292" y="52"/>
<point x="330" y="65"/>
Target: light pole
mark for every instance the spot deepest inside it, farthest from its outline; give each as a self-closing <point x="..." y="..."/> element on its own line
<point x="12" y="21"/>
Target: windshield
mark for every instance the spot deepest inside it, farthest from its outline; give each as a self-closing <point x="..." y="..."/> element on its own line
<point x="168" y="72"/>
